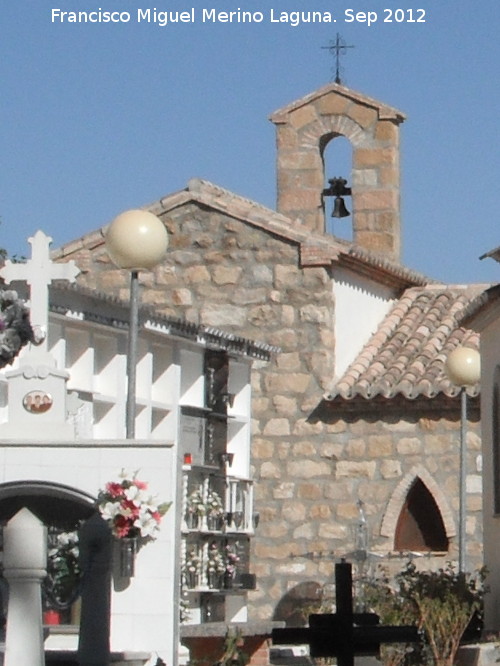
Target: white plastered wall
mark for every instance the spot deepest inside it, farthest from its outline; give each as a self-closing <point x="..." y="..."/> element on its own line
<point x="490" y="359"/>
<point x="144" y="610"/>
<point x="360" y="306"/>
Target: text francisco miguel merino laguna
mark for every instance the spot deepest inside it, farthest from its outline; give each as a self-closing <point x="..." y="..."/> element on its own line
<point x="192" y="15"/>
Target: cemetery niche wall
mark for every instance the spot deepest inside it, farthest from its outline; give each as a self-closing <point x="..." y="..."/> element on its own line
<point x="62" y="440"/>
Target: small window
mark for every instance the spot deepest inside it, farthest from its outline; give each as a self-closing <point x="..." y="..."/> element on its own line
<point x="420" y="526"/>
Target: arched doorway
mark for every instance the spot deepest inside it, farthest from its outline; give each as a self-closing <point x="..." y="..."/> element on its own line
<point x="61" y="509"/>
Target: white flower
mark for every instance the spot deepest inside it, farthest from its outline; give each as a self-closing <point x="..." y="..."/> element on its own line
<point x="136" y="495"/>
<point x="63" y="539"/>
<point x="110" y="510"/>
<point x="148" y="526"/>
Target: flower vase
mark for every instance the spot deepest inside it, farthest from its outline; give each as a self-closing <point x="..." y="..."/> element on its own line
<point x="228" y="580"/>
<point x="128" y="551"/>
<point x="238" y="519"/>
<point x="213" y="523"/>
<point x="191" y="579"/>
<point x="192" y="520"/>
<point x="213" y="580"/>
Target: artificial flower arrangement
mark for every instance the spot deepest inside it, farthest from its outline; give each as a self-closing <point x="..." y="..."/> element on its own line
<point x="232" y="560"/>
<point x="195" y="504"/>
<point x="216" y="564"/>
<point x="191" y="568"/>
<point x="61" y="586"/>
<point x="129" y="509"/>
<point x="214" y="506"/>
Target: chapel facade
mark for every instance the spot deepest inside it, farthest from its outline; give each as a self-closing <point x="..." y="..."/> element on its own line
<point x="355" y="427"/>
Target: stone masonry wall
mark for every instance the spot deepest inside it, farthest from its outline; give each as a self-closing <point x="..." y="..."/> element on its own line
<point x="308" y="485"/>
<point x="220" y="272"/>
<point x="309" y="473"/>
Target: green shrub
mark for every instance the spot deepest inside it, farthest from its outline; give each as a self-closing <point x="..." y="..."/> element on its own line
<point x="440" y="603"/>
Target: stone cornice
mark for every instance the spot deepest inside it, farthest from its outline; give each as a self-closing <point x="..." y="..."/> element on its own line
<point x="384" y="111"/>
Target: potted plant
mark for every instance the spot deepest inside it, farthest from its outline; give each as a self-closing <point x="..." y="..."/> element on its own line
<point x="233" y="654"/>
<point x="440" y="603"/>
<point x="215" y="566"/>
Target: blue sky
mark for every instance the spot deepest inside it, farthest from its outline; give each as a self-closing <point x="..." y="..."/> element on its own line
<point x="98" y="118"/>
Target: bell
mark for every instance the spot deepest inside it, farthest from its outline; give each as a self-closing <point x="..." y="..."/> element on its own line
<point x="339" y="209"/>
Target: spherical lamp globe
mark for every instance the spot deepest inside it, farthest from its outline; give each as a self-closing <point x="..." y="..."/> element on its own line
<point x="136" y="240"/>
<point x="463" y="366"/>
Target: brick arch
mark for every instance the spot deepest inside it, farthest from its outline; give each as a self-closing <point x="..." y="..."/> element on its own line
<point x="398" y="498"/>
<point x="322" y="130"/>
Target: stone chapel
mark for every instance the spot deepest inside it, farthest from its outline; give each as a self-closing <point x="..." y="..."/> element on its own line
<point x="355" y="427"/>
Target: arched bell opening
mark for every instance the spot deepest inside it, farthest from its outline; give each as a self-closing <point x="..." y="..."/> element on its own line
<point x="337" y="156"/>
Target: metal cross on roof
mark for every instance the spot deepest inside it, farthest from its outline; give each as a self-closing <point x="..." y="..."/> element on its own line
<point x="338" y="48"/>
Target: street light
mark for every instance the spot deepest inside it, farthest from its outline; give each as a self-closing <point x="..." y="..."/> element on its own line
<point x="463" y="367"/>
<point x="135" y="240"/>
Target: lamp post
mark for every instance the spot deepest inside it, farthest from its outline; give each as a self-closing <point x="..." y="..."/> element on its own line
<point x="463" y="367"/>
<point x="135" y="240"/>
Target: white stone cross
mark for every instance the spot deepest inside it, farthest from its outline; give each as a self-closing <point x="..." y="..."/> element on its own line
<point x="38" y="272"/>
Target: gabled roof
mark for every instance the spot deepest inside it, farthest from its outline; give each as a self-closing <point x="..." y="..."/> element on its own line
<point x="385" y="112"/>
<point x="406" y="355"/>
<point x="316" y="249"/>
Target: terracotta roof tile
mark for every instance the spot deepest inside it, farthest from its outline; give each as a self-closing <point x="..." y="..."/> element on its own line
<point x="406" y="354"/>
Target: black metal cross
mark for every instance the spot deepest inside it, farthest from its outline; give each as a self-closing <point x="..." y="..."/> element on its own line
<point x="344" y="634"/>
<point x="338" y="48"/>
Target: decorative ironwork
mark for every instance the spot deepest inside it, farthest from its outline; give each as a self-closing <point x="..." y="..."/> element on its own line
<point x="338" y="48"/>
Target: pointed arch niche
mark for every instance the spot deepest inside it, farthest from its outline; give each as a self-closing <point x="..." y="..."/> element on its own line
<point x="337" y="156"/>
<point x="418" y="516"/>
